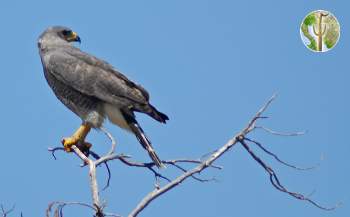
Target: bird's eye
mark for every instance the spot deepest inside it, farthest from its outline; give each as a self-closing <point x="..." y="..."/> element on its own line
<point x="66" y="32"/>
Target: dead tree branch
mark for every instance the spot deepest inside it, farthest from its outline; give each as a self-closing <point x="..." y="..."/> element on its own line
<point x="57" y="207"/>
<point x="205" y="164"/>
<point x="276" y="182"/>
<point x="277" y="158"/>
<point x="238" y="138"/>
<point x="201" y="164"/>
<point x="93" y="180"/>
<point x="280" y="133"/>
<point x="5" y="212"/>
<point x="93" y="185"/>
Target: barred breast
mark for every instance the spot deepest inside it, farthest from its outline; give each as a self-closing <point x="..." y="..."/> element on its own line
<point x="88" y="108"/>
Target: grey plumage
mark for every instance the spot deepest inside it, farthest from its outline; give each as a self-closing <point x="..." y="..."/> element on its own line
<point x="92" y="88"/>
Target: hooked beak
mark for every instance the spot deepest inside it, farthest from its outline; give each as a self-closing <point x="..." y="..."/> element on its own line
<point x="74" y="37"/>
<point x="77" y="39"/>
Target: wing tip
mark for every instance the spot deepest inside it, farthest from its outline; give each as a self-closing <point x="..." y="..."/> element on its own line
<point x="159" y="116"/>
<point x="164" y="118"/>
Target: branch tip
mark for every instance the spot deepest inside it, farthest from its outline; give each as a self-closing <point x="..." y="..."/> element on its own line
<point x="277" y="184"/>
<point x="268" y="130"/>
<point x="277" y="158"/>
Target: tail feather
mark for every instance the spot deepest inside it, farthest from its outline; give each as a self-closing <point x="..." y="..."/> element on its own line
<point x="146" y="144"/>
<point x="144" y="141"/>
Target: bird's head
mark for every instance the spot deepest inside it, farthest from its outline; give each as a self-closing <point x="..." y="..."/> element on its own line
<point x="57" y="35"/>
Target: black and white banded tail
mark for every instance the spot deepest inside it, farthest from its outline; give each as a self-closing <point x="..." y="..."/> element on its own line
<point x="142" y="138"/>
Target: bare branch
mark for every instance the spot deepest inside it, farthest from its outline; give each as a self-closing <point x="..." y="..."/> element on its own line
<point x="251" y="124"/>
<point x="93" y="179"/>
<point x="82" y="150"/>
<point x="205" y="164"/>
<point x="96" y="156"/>
<point x="281" y="133"/>
<point x="113" y="142"/>
<point x="157" y="192"/>
<point x="58" y="211"/>
<point x="53" y="151"/>
<point x="150" y="165"/>
<point x="202" y="164"/>
<point x="277" y="158"/>
<point x="193" y="176"/>
<point x="112" y="214"/>
<point x="123" y="158"/>
<point x="62" y="203"/>
<point x="5" y="212"/>
<point x="240" y="137"/>
<point x="277" y="184"/>
<point x="189" y="161"/>
<point x="93" y="154"/>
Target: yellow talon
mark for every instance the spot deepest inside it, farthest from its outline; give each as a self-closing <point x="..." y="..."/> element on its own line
<point x="78" y="136"/>
<point x="69" y="142"/>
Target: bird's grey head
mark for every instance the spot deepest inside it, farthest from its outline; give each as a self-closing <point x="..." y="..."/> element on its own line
<point x="57" y="36"/>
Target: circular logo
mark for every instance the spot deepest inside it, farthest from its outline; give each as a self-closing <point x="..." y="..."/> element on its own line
<point x="320" y="31"/>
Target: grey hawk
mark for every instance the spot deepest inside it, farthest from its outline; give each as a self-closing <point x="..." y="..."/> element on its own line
<point x="93" y="89"/>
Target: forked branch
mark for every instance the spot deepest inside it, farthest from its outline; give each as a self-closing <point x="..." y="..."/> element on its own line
<point x="239" y="138"/>
<point x="4" y="212"/>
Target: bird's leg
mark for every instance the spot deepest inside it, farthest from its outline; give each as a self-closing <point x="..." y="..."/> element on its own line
<point x="78" y="136"/>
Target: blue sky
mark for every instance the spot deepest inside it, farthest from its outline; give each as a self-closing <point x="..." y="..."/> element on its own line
<point x="209" y="65"/>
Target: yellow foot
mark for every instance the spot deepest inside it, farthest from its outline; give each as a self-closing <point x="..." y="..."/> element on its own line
<point x="69" y="142"/>
<point x="78" y="136"/>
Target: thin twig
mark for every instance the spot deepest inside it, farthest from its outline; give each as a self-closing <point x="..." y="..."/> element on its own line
<point x="277" y="184"/>
<point x="61" y="204"/>
<point x="281" y="133"/>
<point x="5" y="212"/>
<point x="53" y="151"/>
<point x="252" y="123"/>
<point x="94" y="155"/>
<point x="193" y="176"/>
<point x="113" y="146"/>
<point x="149" y="166"/>
<point x="277" y="158"/>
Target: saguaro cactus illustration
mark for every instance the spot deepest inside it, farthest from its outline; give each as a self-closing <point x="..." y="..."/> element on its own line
<point x="321" y="30"/>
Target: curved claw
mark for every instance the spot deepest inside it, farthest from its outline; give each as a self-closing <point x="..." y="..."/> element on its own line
<point x="78" y="136"/>
<point x="68" y="143"/>
<point x="83" y="146"/>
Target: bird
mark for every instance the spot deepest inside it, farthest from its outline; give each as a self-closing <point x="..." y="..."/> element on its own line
<point x="93" y="89"/>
